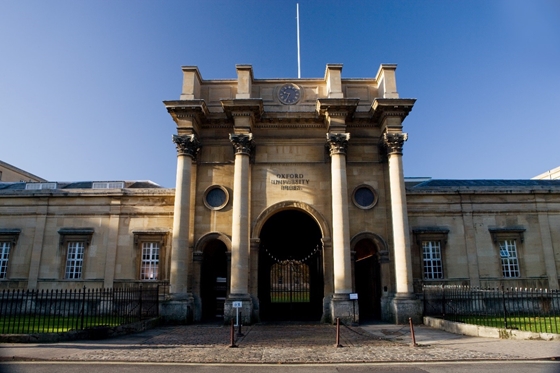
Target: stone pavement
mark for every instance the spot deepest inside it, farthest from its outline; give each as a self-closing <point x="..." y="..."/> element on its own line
<point x="286" y="343"/>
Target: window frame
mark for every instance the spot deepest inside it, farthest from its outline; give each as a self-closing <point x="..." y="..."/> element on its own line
<point x="160" y="237"/>
<point x="435" y="235"/>
<point x="504" y="235"/>
<point x="9" y="236"/>
<point x="372" y="190"/>
<point x="430" y="272"/>
<point x="68" y="236"/>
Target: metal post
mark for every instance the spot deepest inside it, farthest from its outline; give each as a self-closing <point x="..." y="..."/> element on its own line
<point x="414" y="344"/>
<point x="504" y="305"/>
<point x="337" y="345"/>
<point x="232" y="335"/>
<point x="83" y="307"/>
<point x="140" y="305"/>
<point x="239" y="322"/>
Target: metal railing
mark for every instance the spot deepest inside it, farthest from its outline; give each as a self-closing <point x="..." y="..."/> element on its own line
<point x="536" y="310"/>
<point x="46" y="311"/>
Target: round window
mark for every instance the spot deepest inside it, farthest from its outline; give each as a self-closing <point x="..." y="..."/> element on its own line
<point x="216" y="197"/>
<point x="364" y="197"/>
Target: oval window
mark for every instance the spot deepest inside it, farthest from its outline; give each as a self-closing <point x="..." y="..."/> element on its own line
<point x="216" y="197"/>
<point x="364" y="197"/>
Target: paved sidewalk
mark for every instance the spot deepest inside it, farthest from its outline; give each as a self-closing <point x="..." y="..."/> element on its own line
<point x="286" y="343"/>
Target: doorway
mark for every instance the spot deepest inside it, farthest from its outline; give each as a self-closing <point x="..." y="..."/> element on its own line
<point x="213" y="282"/>
<point x="368" y="280"/>
<point x="291" y="268"/>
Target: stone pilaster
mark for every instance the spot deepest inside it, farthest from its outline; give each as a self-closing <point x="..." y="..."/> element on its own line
<point x="181" y="306"/>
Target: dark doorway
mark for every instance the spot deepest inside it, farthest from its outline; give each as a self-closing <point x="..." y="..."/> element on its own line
<point x="291" y="268"/>
<point x="213" y="284"/>
<point x="368" y="280"/>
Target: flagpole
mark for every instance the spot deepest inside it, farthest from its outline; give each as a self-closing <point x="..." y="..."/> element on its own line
<point x="298" y="55"/>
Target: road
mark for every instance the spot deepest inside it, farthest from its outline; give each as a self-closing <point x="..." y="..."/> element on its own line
<point x="459" y="367"/>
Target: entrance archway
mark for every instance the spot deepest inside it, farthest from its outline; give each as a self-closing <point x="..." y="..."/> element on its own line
<point x="367" y="272"/>
<point x="291" y="282"/>
<point x="213" y="280"/>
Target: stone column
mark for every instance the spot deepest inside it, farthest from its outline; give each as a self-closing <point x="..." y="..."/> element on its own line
<point x="341" y="305"/>
<point x="405" y="303"/>
<point x="181" y="305"/>
<point x="401" y="242"/>
<point x="239" y="285"/>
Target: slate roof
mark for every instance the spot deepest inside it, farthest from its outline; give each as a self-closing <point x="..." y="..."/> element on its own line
<point x="138" y="184"/>
<point x="485" y="184"/>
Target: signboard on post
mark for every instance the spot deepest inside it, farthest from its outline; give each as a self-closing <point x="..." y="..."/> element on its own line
<point x="237" y="305"/>
<point x="353" y="296"/>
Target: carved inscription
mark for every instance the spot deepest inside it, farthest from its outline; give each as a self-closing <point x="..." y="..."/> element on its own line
<point x="289" y="181"/>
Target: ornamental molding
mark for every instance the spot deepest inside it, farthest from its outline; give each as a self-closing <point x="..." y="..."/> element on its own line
<point x="242" y="143"/>
<point x="337" y="107"/>
<point x="382" y="108"/>
<point x="187" y="109"/>
<point x="394" y="142"/>
<point x="250" y="107"/>
<point x="187" y="145"/>
<point x="505" y="233"/>
<point x="337" y="143"/>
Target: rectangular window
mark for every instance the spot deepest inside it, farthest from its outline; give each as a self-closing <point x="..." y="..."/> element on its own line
<point x="431" y="254"/>
<point x="510" y="262"/>
<point x="4" y="256"/>
<point x="74" y="260"/>
<point x="150" y="261"/>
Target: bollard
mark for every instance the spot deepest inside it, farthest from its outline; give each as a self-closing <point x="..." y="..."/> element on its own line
<point x="239" y="334"/>
<point x="337" y="345"/>
<point x="232" y="335"/>
<point x="414" y="344"/>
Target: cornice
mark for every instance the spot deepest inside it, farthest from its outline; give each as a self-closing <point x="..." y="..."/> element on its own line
<point x="337" y="106"/>
<point x="243" y="107"/>
<point x="195" y="110"/>
<point x="390" y="107"/>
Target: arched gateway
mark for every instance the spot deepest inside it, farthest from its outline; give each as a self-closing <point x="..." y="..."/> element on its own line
<point x="291" y="283"/>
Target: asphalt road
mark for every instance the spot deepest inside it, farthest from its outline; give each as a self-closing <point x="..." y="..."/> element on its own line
<point x="459" y="367"/>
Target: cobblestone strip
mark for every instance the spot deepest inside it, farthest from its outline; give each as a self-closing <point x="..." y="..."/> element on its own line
<point x="305" y="343"/>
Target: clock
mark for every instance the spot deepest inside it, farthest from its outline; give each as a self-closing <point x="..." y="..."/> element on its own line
<point x="289" y="94"/>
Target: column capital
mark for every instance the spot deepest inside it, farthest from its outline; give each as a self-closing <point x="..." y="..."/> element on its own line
<point x="337" y="143"/>
<point x="242" y="143"/>
<point x="394" y="142"/>
<point x="187" y="145"/>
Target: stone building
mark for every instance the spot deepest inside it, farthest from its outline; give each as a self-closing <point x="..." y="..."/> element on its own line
<point x="11" y="173"/>
<point x="290" y="203"/>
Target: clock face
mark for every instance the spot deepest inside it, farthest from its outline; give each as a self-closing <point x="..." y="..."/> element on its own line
<point x="289" y="94"/>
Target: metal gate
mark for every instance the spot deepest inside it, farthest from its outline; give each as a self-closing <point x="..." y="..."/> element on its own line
<point x="289" y="282"/>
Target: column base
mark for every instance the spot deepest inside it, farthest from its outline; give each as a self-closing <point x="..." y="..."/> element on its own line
<point x="245" y="311"/>
<point x="405" y="306"/>
<point x="179" y="309"/>
<point x="345" y="309"/>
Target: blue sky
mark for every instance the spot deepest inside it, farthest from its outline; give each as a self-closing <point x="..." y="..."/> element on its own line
<point x="82" y="82"/>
